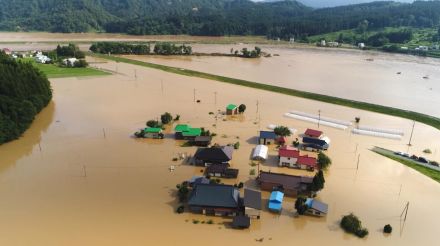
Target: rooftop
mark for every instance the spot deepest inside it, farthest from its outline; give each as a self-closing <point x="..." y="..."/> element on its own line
<point x="211" y="195"/>
<point x="268" y="135"/>
<point x="317" y="205"/>
<point x="308" y="161"/>
<point x="191" y="132"/>
<point x="221" y="154"/>
<point x="252" y="199"/>
<point x="153" y="130"/>
<point x="287" y="181"/>
<point x="231" y="107"/>
<point x="313" y="133"/>
<point x="181" y="128"/>
<point x="287" y="151"/>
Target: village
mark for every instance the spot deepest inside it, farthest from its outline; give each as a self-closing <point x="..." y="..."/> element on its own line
<point x="208" y="195"/>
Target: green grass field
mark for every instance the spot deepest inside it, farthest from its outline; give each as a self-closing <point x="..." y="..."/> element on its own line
<point x="435" y="175"/>
<point x="423" y="118"/>
<point x="53" y="71"/>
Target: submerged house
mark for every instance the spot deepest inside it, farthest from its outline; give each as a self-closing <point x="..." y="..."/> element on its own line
<point x="316" y="208"/>
<point x="276" y="201"/>
<point x="218" y="200"/>
<point x="267" y="137"/>
<point x="221" y="170"/>
<point x="153" y="132"/>
<point x="214" y="155"/>
<point x="196" y="180"/>
<point x="252" y="203"/>
<point x="186" y="132"/>
<point x="202" y="141"/>
<point x="231" y="109"/>
<point x="241" y="222"/>
<point x="292" y="185"/>
<point x="260" y="153"/>
<point x="290" y="157"/>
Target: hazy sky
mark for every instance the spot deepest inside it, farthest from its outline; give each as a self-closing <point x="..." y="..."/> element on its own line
<point x="331" y="3"/>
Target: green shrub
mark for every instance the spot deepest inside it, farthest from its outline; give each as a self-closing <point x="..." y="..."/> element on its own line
<point x="166" y="118"/>
<point x="427" y="151"/>
<point x="351" y="224"/>
<point x="252" y="172"/>
<point x="196" y="221"/>
<point x="180" y="209"/>
<point x="237" y="145"/>
<point x="387" y="228"/>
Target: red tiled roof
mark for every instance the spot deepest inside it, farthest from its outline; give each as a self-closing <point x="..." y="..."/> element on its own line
<point x="308" y="161"/>
<point x="287" y="151"/>
<point x="313" y="133"/>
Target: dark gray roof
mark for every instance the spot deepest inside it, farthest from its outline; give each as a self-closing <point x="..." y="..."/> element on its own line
<point x="217" y="168"/>
<point x="203" y="139"/>
<point x="241" y="221"/>
<point x="252" y="199"/>
<point x="213" y="195"/>
<point x="215" y="154"/>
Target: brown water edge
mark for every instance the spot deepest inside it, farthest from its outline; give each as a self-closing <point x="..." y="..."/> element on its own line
<point x="84" y="189"/>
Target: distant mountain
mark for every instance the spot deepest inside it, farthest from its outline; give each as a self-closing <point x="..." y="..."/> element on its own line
<point x="332" y="3"/>
<point x="275" y="19"/>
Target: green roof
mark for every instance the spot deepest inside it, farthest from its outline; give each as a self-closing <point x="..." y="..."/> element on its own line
<point x="153" y="130"/>
<point x="192" y="132"/>
<point x="182" y="128"/>
<point x="231" y="107"/>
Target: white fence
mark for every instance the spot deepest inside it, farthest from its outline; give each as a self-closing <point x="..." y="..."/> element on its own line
<point x="377" y="134"/>
<point x="313" y="120"/>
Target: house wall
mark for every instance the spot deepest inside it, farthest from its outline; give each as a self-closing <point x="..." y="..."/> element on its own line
<point x="270" y="186"/>
<point x="252" y="212"/>
<point x="231" y="112"/>
<point x="314" y="212"/>
<point x="214" y="211"/>
<point x="287" y="162"/>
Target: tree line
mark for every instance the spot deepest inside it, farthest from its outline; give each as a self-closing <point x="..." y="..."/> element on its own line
<point x="24" y="92"/>
<point x="283" y="19"/>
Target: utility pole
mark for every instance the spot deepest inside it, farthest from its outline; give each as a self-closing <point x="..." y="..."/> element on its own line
<point x="412" y="131"/>
<point x="103" y="130"/>
<point x="357" y="166"/>
<point x="135" y="74"/>
<point x="161" y="86"/>
<point x="319" y="117"/>
<point x="405" y="210"/>
<point x="84" y="171"/>
<point x="194" y="95"/>
<point x="215" y="99"/>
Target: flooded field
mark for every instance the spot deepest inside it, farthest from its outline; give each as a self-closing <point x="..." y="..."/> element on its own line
<point x="77" y="177"/>
<point x="342" y="73"/>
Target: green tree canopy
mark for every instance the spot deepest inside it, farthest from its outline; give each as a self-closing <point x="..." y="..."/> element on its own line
<point x="282" y="131"/>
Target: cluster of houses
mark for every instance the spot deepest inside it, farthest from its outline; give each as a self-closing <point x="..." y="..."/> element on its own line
<point x="226" y="200"/>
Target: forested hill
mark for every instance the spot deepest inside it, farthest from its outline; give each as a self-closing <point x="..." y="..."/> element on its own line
<point x="24" y="91"/>
<point x="282" y="19"/>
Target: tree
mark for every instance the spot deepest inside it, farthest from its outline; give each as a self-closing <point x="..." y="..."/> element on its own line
<point x="387" y="228"/>
<point x="351" y="224"/>
<point x="241" y="108"/>
<point x="362" y="26"/>
<point x="182" y="191"/>
<point x="318" y="182"/>
<point x="166" y="118"/>
<point x="153" y="123"/>
<point x="282" y="131"/>
<point x="300" y="205"/>
<point x="80" y="63"/>
<point x="323" y="161"/>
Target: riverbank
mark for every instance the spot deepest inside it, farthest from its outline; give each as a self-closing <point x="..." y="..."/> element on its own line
<point x="423" y="118"/>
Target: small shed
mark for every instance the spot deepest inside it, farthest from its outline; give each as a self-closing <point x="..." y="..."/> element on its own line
<point x="202" y="141"/>
<point x="316" y="208"/>
<point x="153" y="132"/>
<point x="231" y="109"/>
<point x="195" y="180"/>
<point x="252" y="203"/>
<point x="276" y="201"/>
<point x="267" y="137"/>
<point x="260" y="153"/>
<point x="241" y="222"/>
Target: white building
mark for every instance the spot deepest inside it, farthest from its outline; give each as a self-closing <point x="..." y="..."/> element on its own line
<point x="40" y="58"/>
<point x="260" y="153"/>
<point x="70" y="62"/>
<point x="323" y="43"/>
<point x="361" y="45"/>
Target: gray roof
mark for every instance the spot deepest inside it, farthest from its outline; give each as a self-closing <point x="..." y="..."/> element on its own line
<point x="252" y="199"/>
<point x="287" y="181"/>
<point x="210" y="195"/>
<point x="320" y="206"/>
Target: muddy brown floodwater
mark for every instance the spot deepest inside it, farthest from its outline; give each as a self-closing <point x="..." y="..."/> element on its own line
<point x="76" y="177"/>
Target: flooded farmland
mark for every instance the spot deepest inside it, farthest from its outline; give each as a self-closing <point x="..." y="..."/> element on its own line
<point x="77" y="177"/>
